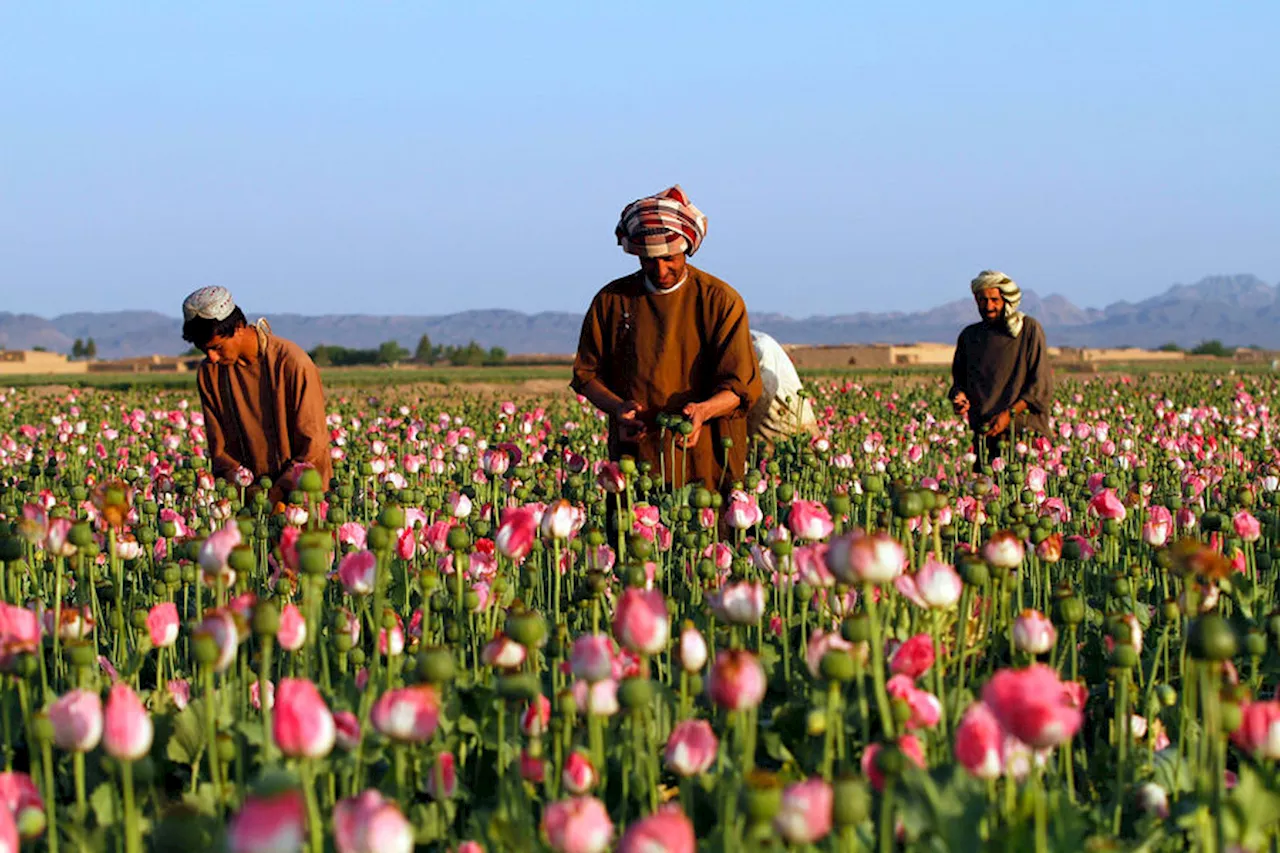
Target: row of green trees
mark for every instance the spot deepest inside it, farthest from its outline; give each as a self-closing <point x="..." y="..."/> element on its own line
<point x="84" y="349"/>
<point x="1214" y="347"/>
<point x="390" y="352"/>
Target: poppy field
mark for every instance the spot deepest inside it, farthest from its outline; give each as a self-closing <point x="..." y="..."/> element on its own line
<point x="485" y="636"/>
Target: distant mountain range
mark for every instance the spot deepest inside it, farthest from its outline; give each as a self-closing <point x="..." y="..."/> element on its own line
<point x="1239" y="310"/>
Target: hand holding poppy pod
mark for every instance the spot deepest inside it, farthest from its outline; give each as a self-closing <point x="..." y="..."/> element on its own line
<point x="717" y="406"/>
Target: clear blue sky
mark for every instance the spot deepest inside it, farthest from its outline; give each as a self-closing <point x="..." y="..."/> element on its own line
<point x="429" y="157"/>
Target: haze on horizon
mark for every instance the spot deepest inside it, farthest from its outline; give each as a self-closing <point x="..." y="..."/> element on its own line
<point x="431" y="158"/>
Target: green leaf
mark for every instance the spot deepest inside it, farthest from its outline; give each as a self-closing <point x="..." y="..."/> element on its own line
<point x="103" y="802"/>
<point x="186" y="742"/>
<point x="426" y="827"/>
<point x="251" y="731"/>
<point x="1253" y="809"/>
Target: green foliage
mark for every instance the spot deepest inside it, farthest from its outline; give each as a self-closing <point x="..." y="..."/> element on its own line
<point x="1214" y="348"/>
<point x="1169" y="347"/>
<point x="425" y="352"/>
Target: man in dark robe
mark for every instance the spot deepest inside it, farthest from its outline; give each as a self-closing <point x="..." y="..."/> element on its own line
<point x="670" y="339"/>
<point x="1000" y="375"/>
<point x="264" y="410"/>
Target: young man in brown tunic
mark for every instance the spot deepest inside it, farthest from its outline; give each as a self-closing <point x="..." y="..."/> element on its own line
<point x="1000" y="374"/>
<point x="670" y="338"/>
<point x="262" y="399"/>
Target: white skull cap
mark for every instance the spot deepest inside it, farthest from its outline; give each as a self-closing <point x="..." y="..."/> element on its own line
<point x="211" y="303"/>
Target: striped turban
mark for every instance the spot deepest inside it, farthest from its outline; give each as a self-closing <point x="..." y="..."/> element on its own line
<point x="1009" y="290"/>
<point x="661" y="225"/>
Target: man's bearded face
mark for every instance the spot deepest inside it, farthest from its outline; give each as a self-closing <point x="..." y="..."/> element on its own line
<point x="665" y="272"/>
<point x="990" y="304"/>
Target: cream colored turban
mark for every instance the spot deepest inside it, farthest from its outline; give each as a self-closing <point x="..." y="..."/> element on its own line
<point x="1012" y="296"/>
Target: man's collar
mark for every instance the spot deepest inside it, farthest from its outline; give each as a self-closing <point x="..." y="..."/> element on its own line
<point x="649" y="286"/>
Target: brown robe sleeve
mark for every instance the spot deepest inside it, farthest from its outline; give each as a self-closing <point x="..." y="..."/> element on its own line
<point x="1037" y="389"/>
<point x="736" y="367"/>
<point x="586" y="363"/>
<point x="308" y="431"/>
<point x="220" y="462"/>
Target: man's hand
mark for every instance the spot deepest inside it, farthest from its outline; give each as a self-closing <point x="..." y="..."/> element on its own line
<point x="1000" y="424"/>
<point x="697" y="415"/>
<point x="960" y="404"/>
<point x="630" y="424"/>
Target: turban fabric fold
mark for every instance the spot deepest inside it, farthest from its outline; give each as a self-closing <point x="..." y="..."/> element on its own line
<point x="661" y="225"/>
<point x="1009" y="290"/>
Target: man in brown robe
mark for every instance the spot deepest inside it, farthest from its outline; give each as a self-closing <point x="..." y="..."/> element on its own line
<point x="1000" y="375"/>
<point x="263" y="403"/>
<point x="670" y="339"/>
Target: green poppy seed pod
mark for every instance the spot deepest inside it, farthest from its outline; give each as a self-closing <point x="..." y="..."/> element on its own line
<point x="627" y="465"/>
<point x="717" y="500"/>
<point x="357" y="657"/>
<point x="342" y="642"/>
<point x="42" y="728"/>
<point x="380" y="538"/>
<point x="1231" y="716"/>
<point x="204" y="649"/>
<point x="1071" y="610"/>
<point x="781" y="548"/>
<point x="1167" y="695"/>
<point x="226" y="748"/>
<point x="266" y="619"/>
<point x="80" y="654"/>
<point x="841" y="504"/>
<point x="1212" y="638"/>
<point x="1124" y="656"/>
<point x="310" y="481"/>
<point x="762" y="797"/>
<point x="1255" y="643"/>
<point x="527" y="627"/>
<point x="1120" y="587"/>
<point x="974" y="572"/>
<point x="1170" y="611"/>
<point x="79" y="494"/>
<point x="838" y="666"/>
<point x="851" y="803"/>
<point x="314" y="561"/>
<point x="297" y="497"/>
<point x="856" y="629"/>
<point x="889" y="760"/>
<point x="786" y="493"/>
<point x="391" y="517"/>
<point x="635" y="693"/>
<point x="458" y="539"/>
<point x="639" y="547"/>
<point x="702" y="498"/>
<point x="518" y="687"/>
<point x="81" y="535"/>
<point x="815" y="722"/>
<point x="436" y="665"/>
<point x="242" y="559"/>
<point x="138" y="619"/>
